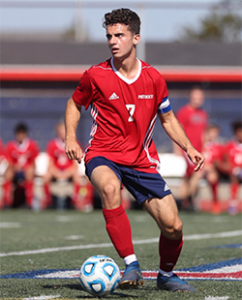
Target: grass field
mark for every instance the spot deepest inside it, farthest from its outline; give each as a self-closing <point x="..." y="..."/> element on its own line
<point x="59" y="239"/>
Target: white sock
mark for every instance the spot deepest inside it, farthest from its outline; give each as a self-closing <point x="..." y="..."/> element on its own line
<point x="129" y="259"/>
<point x="167" y="274"/>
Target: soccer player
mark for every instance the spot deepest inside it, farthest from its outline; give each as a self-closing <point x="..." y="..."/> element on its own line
<point x="213" y="152"/>
<point x="233" y="165"/>
<point x="21" y="154"/>
<point x="60" y="167"/>
<point x="126" y="95"/>
<point x="194" y="121"/>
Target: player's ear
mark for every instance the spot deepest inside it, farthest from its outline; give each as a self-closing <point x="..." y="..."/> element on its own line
<point x="136" y="39"/>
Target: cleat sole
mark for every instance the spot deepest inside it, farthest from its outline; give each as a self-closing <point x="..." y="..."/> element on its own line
<point x="125" y="285"/>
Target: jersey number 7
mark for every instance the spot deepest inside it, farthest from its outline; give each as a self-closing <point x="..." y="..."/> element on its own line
<point x="131" y="109"/>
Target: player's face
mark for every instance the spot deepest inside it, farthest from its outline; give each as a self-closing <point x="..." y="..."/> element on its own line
<point x="121" y="40"/>
<point x="20" y="136"/>
<point x="196" y="98"/>
<point x="238" y="135"/>
<point x="212" y="134"/>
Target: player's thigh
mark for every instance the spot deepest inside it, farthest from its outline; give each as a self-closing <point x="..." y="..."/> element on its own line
<point x="108" y="185"/>
<point x="29" y="172"/>
<point x="9" y="173"/>
<point x="165" y="213"/>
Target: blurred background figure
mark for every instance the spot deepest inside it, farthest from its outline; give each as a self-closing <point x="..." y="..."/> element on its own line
<point x="61" y="169"/>
<point x="21" y="154"/>
<point x="194" y="121"/>
<point x="233" y="165"/>
<point x="213" y="153"/>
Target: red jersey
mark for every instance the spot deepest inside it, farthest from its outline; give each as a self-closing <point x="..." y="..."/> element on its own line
<point x="194" y="122"/>
<point x="233" y="150"/>
<point x="22" y="155"/>
<point x="56" y="151"/>
<point x="213" y="151"/>
<point x="124" y="113"/>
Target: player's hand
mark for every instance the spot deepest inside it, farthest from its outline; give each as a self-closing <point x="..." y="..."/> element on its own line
<point x="197" y="158"/>
<point x="74" y="151"/>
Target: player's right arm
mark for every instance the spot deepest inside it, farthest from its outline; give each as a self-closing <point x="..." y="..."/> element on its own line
<point x="72" y="117"/>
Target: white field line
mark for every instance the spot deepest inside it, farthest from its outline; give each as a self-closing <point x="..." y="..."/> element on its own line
<point x="42" y="297"/>
<point x="216" y="298"/>
<point x="138" y="242"/>
<point x="10" y="225"/>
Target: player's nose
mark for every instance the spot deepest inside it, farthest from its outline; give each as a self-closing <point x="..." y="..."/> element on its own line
<point x="112" y="41"/>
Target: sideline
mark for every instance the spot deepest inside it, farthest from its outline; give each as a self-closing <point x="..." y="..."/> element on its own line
<point x="138" y="242"/>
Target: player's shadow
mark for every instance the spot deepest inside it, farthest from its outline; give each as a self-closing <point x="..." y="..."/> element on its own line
<point x="118" y="293"/>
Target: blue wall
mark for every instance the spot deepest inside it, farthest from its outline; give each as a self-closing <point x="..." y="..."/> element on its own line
<point x="42" y="113"/>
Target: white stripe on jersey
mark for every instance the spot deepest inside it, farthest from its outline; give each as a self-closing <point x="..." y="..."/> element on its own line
<point x="146" y="143"/>
<point x="94" y="113"/>
<point x="102" y="68"/>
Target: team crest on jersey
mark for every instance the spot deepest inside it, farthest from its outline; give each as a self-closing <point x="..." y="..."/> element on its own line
<point x="223" y="270"/>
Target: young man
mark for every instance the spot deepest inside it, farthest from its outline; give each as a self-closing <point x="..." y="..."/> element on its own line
<point x="60" y="167"/>
<point x="233" y="165"/>
<point x="21" y="154"/>
<point x="194" y="121"/>
<point x="213" y="152"/>
<point x="125" y="95"/>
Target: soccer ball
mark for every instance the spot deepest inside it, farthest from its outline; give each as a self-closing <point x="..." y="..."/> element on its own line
<point x="99" y="275"/>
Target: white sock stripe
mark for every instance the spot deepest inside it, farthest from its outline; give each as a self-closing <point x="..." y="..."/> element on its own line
<point x="129" y="259"/>
<point x="168" y="274"/>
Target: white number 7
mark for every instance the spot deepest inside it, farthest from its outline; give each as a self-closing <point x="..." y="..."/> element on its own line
<point x="131" y="109"/>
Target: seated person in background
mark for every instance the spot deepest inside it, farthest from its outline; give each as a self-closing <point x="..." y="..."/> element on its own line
<point x="233" y="165"/>
<point x="60" y="167"/>
<point x="213" y="153"/>
<point x="21" y="154"/>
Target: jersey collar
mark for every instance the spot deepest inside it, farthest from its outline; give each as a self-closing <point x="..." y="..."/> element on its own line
<point x="129" y="81"/>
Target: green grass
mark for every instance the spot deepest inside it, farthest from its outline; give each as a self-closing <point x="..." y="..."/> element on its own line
<point x="50" y="229"/>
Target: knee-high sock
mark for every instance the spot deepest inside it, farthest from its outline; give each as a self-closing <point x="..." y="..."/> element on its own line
<point x="8" y="193"/>
<point x="169" y="251"/>
<point x="234" y="190"/>
<point x="119" y="230"/>
<point x="29" y="192"/>
<point x="48" y="198"/>
<point x="214" y="187"/>
<point x="76" y="199"/>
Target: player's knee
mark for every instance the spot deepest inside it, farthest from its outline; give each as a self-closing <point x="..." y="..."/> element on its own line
<point x="174" y="231"/>
<point x="109" y="190"/>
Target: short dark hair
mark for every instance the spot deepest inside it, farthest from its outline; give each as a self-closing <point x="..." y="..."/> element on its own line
<point x="21" y="127"/>
<point x="123" y="16"/>
<point x="236" y="126"/>
<point x="213" y="126"/>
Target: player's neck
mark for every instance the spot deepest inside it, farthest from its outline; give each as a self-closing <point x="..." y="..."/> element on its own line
<point x="128" y="67"/>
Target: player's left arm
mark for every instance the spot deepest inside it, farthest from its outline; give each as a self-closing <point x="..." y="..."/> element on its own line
<point x="175" y="131"/>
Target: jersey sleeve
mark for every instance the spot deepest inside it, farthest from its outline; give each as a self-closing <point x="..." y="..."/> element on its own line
<point x="164" y="105"/>
<point x="50" y="149"/>
<point x="8" y="152"/>
<point x="35" y="149"/>
<point x="83" y="94"/>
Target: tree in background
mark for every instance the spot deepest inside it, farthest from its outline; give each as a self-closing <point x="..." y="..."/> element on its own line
<point x="221" y="24"/>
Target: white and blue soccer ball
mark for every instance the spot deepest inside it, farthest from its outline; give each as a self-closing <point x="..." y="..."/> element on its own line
<point x="99" y="275"/>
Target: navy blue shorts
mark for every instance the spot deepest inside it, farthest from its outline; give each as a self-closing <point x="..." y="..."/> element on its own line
<point x="140" y="184"/>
